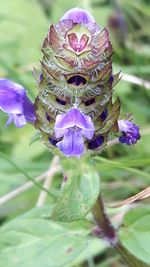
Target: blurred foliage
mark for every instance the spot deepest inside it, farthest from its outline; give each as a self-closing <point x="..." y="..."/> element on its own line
<point x="124" y="170"/>
<point x="135" y="233"/>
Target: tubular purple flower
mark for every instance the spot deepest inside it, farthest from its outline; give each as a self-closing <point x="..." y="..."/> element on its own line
<point x="14" y="102"/>
<point x="130" y="132"/>
<point x="78" y="15"/>
<point x="73" y="126"/>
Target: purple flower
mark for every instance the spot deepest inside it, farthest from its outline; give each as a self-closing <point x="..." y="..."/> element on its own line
<point x="130" y="132"/>
<point x="14" y="101"/>
<point x="78" y="15"/>
<point x="73" y="126"/>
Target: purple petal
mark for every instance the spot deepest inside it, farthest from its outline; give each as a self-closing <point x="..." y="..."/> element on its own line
<point x="28" y="110"/>
<point x="19" y="120"/>
<point x="10" y="119"/>
<point x="11" y="96"/>
<point x="78" y="15"/>
<point x="72" y="143"/>
<point x="13" y="100"/>
<point x="87" y="133"/>
<point x="130" y="132"/>
<point x="73" y="118"/>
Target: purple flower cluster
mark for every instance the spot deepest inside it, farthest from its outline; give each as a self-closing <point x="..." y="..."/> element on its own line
<point x="72" y="128"/>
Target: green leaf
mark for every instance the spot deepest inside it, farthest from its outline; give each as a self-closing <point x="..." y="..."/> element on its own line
<point x="135" y="233"/>
<point x="95" y="247"/>
<point x="25" y="174"/>
<point x="19" y="23"/>
<point x="79" y="193"/>
<point x="116" y="164"/>
<point x="35" y="241"/>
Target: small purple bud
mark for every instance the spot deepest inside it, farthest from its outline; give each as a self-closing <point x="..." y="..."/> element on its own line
<point x="48" y="117"/>
<point x="130" y="132"/>
<point x="96" y="142"/>
<point x="60" y="101"/>
<point x="79" y="16"/>
<point x="104" y="114"/>
<point x="97" y="231"/>
<point x="111" y="79"/>
<point x="41" y="77"/>
<point x="90" y="102"/>
<point x="52" y="141"/>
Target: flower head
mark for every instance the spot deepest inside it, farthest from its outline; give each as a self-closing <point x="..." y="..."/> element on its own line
<point x="130" y="132"/>
<point x="74" y="107"/>
<point x="73" y="126"/>
<point x="14" y="102"/>
<point x="74" y="110"/>
<point x="80" y="46"/>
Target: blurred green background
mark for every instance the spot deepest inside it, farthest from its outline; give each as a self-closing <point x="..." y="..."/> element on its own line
<point x="23" y="27"/>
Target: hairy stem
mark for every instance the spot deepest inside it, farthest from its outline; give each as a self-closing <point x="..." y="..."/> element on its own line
<point x="107" y="231"/>
<point x="103" y="221"/>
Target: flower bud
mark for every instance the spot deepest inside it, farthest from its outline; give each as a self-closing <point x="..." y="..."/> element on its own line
<point x="129" y="132"/>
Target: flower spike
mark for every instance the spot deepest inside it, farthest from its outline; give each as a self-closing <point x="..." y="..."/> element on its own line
<point x="74" y="110"/>
<point x="74" y="107"/>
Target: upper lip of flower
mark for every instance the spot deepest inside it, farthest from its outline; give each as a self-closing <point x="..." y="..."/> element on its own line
<point x="14" y="101"/>
<point x="78" y="16"/>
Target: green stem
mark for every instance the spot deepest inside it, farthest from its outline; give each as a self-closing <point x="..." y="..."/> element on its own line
<point x="86" y="5"/>
<point x="108" y="232"/>
<point x="129" y="258"/>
